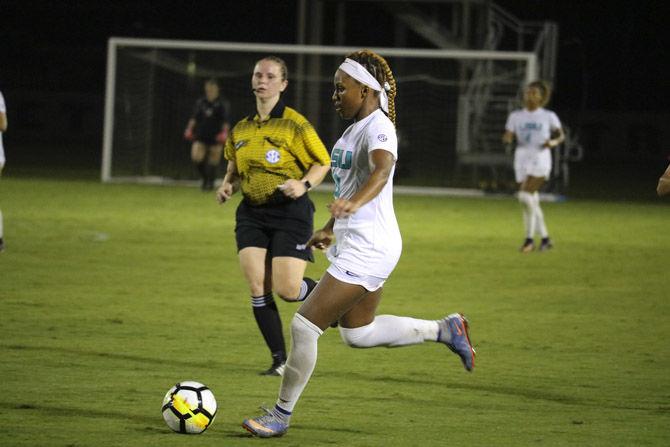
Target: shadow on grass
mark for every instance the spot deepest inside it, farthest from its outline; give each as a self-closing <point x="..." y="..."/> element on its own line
<point x="541" y="395"/>
<point x="78" y="412"/>
<point x="209" y="364"/>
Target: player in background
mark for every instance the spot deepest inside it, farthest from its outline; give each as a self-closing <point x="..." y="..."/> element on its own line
<point x="536" y="131"/>
<point x="663" y="187"/>
<point x="208" y="129"/>
<point x="368" y="243"/>
<point x="3" y="129"/>
<point x="275" y="157"/>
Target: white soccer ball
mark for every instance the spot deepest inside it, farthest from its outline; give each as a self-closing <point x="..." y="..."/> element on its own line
<point x="189" y="407"/>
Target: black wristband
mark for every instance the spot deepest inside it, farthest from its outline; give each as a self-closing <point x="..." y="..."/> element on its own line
<point x="307" y="184"/>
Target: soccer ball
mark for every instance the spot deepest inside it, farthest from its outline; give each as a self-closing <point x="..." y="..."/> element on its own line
<point x="189" y="407"/>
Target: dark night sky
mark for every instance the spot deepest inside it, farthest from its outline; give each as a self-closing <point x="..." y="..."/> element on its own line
<point x="610" y="53"/>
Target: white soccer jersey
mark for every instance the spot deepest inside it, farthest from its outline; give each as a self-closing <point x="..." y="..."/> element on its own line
<point x="3" y="109"/>
<point x="367" y="242"/>
<point x="532" y="129"/>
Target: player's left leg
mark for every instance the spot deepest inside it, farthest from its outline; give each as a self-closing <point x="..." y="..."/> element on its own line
<point x="2" y="165"/>
<point x="293" y="224"/>
<point x="532" y="185"/>
<point x="288" y="279"/>
<point x="360" y="328"/>
<point x="211" y="168"/>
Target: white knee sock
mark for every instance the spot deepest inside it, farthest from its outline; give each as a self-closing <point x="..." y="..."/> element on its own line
<point x="539" y="216"/>
<point x="390" y="331"/>
<point x="300" y="363"/>
<point x="529" y="211"/>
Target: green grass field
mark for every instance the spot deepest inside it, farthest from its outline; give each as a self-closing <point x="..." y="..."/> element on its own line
<point x="109" y="294"/>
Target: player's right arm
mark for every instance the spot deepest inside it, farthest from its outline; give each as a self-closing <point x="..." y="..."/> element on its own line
<point x="663" y="186"/>
<point x="188" y="132"/>
<point x="322" y="238"/>
<point x="508" y="137"/>
<point x="230" y="183"/>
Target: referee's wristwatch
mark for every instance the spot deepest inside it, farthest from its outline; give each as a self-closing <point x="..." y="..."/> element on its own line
<point x="307" y="184"/>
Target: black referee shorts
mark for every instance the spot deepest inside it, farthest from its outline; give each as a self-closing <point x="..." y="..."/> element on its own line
<point x="283" y="229"/>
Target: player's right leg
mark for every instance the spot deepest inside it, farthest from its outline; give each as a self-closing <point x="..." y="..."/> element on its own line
<point x="256" y="269"/>
<point x="198" y="154"/>
<point x="522" y="165"/>
<point x="2" y="165"/>
<point x="330" y="299"/>
<point x="528" y="194"/>
<point x="253" y="243"/>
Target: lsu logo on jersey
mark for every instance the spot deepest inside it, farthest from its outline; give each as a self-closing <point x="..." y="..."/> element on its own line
<point x="272" y="156"/>
<point x="531" y="126"/>
<point x="341" y="158"/>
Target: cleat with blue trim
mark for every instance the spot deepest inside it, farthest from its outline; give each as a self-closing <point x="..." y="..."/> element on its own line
<point x="265" y="426"/>
<point x="453" y="332"/>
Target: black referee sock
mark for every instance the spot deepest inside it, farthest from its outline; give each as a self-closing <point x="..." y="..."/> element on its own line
<point x="269" y="322"/>
<point x="306" y="288"/>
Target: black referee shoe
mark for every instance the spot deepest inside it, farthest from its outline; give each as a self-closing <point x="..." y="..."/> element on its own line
<point x="277" y="369"/>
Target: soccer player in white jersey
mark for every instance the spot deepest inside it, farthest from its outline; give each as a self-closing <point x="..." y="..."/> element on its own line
<point x="368" y="243"/>
<point x="536" y="131"/>
<point x="3" y="128"/>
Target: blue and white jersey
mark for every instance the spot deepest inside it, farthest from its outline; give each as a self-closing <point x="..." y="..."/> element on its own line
<point x="367" y="242"/>
<point x="532" y="129"/>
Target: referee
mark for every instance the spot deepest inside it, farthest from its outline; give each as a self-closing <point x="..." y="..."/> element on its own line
<point x="275" y="157"/>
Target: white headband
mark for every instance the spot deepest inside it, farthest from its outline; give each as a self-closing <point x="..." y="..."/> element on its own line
<point x="359" y="73"/>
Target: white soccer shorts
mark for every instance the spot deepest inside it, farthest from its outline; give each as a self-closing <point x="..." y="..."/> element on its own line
<point x="530" y="162"/>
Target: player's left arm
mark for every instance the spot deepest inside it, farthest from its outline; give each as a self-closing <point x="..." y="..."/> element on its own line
<point x="3" y="122"/>
<point x="382" y="164"/>
<point x="557" y="137"/>
<point x="663" y="187"/>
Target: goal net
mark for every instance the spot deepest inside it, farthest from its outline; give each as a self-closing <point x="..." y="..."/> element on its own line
<point x="451" y="104"/>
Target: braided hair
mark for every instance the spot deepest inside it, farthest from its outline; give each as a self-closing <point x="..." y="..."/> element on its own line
<point x="379" y="68"/>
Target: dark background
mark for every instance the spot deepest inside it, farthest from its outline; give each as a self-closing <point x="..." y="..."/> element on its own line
<point x="610" y="86"/>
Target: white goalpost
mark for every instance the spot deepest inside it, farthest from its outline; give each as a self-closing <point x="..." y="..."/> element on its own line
<point x="448" y="100"/>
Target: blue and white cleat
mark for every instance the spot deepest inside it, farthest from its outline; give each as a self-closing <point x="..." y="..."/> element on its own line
<point x="456" y="325"/>
<point x="266" y="426"/>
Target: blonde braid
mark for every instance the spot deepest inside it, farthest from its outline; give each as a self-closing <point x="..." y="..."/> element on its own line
<point x="388" y="75"/>
<point x="379" y="68"/>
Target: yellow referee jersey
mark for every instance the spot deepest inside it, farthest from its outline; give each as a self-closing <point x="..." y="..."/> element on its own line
<point x="267" y="153"/>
